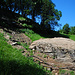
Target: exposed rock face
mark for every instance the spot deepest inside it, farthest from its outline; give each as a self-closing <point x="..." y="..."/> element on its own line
<point x="20" y="37"/>
<point x="61" y="48"/>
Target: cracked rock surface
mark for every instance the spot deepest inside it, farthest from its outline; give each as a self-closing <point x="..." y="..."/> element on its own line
<point x="62" y="49"/>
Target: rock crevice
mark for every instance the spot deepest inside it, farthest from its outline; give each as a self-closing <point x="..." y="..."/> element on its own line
<point x="62" y="49"/>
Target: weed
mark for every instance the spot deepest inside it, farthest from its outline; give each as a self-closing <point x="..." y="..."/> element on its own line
<point x="18" y="43"/>
<point x="45" y="56"/>
<point x="72" y="72"/>
<point x="53" y="57"/>
<point x="39" y="55"/>
<point x="25" y="46"/>
<point x="62" y="71"/>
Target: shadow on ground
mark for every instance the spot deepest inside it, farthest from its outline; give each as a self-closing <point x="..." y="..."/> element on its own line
<point x="10" y="21"/>
<point x="12" y="67"/>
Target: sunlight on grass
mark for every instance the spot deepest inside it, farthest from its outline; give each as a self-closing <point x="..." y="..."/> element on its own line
<point x="22" y="18"/>
<point x="34" y="36"/>
<point x="72" y="37"/>
<point x="12" y="62"/>
<point x="31" y="34"/>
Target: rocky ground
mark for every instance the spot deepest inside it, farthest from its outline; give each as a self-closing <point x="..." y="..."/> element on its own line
<point x="45" y="47"/>
<point x="60" y="48"/>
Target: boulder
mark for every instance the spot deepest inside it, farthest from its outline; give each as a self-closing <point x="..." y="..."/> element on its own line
<point x="62" y="49"/>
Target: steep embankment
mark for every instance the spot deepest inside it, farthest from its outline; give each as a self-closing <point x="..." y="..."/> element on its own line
<point x="13" y="62"/>
<point x="47" y="62"/>
<point x="14" y="27"/>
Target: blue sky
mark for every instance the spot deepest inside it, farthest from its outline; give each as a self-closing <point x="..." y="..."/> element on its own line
<point x="67" y="7"/>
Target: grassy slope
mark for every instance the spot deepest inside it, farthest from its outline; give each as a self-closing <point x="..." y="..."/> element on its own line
<point x="12" y="62"/>
<point x="31" y="34"/>
<point x="72" y="37"/>
<point x="36" y="36"/>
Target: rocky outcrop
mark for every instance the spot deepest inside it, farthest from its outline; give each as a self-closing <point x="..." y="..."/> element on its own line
<point x="62" y="49"/>
<point x="20" y="37"/>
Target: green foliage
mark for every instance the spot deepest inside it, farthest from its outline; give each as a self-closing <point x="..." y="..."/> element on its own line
<point x="31" y="34"/>
<point x="66" y="72"/>
<point x="44" y="8"/>
<point x="72" y="30"/>
<point x="72" y="37"/>
<point x="34" y="37"/>
<point x="18" y="43"/>
<point x="50" y="15"/>
<point x="39" y="55"/>
<point x="2" y="38"/>
<point x="45" y="56"/>
<point x="22" y="18"/>
<point x="27" y="31"/>
<point x="66" y="29"/>
<point x="25" y="46"/>
<point x="53" y="57"/>
<point x="12" y="62"/>
<point x="72" y="72"/>
<point x="62" y="71"/>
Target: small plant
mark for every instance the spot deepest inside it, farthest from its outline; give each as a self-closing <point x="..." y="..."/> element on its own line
<point x="25" y="46"/>
<point x="72" y="72"/>
<point x="25" y="25"/>
<point x="45" y="56"/>
<point x="18" y="43"/>
<point x="53" y="57"/>
<point x="38" y="54"/>
<point x="62" y="71"/>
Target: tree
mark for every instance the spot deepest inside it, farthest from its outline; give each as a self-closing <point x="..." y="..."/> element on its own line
<point x="72" y="30"/>
<point x="35" y="6"/>
<point x="49" y="14"/>
<point x="66" y="28"/>
<point x="3" y="4"/>
<point x="44" y="8"/>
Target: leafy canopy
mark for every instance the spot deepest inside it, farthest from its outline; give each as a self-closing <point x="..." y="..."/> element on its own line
<point x="45" y="8"/>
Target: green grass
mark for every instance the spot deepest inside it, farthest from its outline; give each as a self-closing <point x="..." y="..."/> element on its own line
<point x="34" y="36"/>
<point x="31" y="34"/>
<point x="12" y="62"/>
<point x="67" y="72"/>
<point x="72" y="37"/>
<point x="45" y="56"/>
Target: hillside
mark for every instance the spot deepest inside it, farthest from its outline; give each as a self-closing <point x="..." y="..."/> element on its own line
<point x="19" y="62"/>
